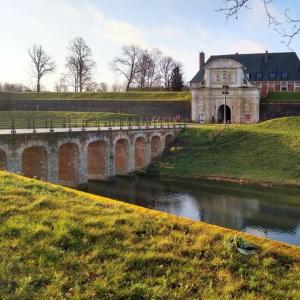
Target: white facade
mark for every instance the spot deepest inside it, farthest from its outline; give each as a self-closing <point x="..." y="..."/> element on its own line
<point x="242" y="102"/>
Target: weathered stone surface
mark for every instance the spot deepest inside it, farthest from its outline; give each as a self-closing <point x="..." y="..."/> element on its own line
<point x="3" y="160"/>
<point x="71" y="158"/>
<point x="242" y="102"/>
<point x="34" y="162"/>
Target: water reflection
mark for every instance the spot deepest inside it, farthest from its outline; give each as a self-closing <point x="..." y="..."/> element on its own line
<point x="265" y="212"/>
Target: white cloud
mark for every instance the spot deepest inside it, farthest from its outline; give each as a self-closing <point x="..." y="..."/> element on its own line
<point x="114" y="30"/>
<point x="54" y="28"/>
<point x="258" y="11"/>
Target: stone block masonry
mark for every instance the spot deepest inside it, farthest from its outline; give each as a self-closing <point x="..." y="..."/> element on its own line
<point x="71" y="158"/>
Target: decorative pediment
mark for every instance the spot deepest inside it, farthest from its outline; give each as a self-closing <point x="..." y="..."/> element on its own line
<point x="224" y="64"/>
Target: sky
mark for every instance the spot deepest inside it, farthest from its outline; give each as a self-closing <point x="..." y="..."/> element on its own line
<point x="180" y="28"/>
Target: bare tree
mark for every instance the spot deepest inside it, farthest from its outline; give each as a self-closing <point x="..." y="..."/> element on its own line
<point x="127" y="63"/>
<point x="102" y="87"/>
<point x="13" y="87"/>
<point x="80" y="64"/>
<point x="142" y="68"/>
<point x="42" y="64"/>
<point x="154" y="74"/>
<point x="117" y="88"/>
<point x="166" y="65"/>
<point x="287" y="26"/>
<point x="61" y="85"/>
<point x="148" y="72"/>
<point x="92" y="87"/>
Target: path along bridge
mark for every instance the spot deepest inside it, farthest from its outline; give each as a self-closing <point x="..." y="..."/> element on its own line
<point x="71" y="156"/>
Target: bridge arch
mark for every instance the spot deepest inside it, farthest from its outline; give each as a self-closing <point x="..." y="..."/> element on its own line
<point x="140" y="153"/>
<point x="169" y="139"/>
<point x="156" y="142"/>
<point x="3" y="160"/>
<point x="34" y="162"/>
<point x="97" y="159"/>
<point x="122" y="156"/>
<point x="68" y="163"/>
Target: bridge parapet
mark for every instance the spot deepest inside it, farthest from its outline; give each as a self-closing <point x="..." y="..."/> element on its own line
<point x="72" y="156"/>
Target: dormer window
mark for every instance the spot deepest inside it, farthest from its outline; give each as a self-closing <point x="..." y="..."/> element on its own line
<point x="247" y="75"/>
<point x="272" y="75"/>
<point x="284" y="75"/>
<point x="259" y="76"/>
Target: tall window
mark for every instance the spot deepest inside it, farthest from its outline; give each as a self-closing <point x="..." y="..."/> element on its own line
<point x="272" y="75"/>
<point x="284" y="75"/>
<point x="259" y="76"/>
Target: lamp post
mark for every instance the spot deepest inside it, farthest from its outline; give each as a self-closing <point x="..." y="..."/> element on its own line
<point x="225" y="93"/>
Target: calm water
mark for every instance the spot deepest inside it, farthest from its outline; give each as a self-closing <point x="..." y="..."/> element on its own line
<point x="272" y="213"/>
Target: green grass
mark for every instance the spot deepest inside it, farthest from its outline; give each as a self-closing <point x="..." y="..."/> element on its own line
<point x="57" y="243"/>
<point x="282" y="97"/>
<point x="265" y="153"/>
<point x="60" y="118"/>
<point x="137" y="96"/>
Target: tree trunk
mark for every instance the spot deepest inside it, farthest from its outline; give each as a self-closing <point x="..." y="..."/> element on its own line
<point x="127" y="86"/>
<point x="38" y="86"/>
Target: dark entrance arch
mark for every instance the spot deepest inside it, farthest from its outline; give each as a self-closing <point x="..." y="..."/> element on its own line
<point x="221" y="114"/>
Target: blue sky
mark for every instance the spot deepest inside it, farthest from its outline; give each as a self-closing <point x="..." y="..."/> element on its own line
<point x="180" y="28"/>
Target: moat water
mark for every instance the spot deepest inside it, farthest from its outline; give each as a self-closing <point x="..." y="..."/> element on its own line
<point x="271" y="213"/>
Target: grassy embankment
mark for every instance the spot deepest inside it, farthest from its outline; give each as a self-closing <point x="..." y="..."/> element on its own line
<point x="60" y="243"/>
<point x="282" y="97"/>
<point x="59" y="118"/>
<point x="137" y="96"/>
<point x="267" y="153"/>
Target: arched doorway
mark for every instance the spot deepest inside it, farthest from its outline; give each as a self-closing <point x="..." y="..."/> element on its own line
<point x="3" y="160"/>
<point x="121" y="157"/>
<point x="34" y="162"/>
<point x="155" y="146"/>
<point x="97" y="159"/>
<point x="221" y="114"/>
<point x="140" y="153"/>
<point x="68" y="164"/>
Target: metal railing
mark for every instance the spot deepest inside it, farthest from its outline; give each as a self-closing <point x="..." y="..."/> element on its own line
<point x="33" y="124"/>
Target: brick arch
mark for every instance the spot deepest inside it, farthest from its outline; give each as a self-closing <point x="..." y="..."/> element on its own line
<point x="97" y="159"/>
<point x="122" y="157"/>
<point x="155" y="146"/>
<point x="169" y="139"/>
<point x="3" y="160"/>
<point x="34" y="162"/>
<point x="140" y="153"/>
<point x="68" y="162"/>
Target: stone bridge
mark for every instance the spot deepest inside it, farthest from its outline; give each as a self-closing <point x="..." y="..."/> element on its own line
<point x="71" y="157"/>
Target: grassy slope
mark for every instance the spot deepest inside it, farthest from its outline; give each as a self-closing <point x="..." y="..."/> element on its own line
<point x="282" y="97"/>
<point x="157" y="96"/>
<point x="60" y="243"/>
<point x="268" y="152"/>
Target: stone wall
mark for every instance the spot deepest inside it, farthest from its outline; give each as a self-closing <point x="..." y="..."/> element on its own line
<point x="278" y="110"/>
<point x="140" y="108"/>
<point x="66" y="157"/>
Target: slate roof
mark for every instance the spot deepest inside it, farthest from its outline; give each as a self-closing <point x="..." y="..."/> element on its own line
<point x="256" y="63"/>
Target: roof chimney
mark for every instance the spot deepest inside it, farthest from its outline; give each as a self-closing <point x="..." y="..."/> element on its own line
<point x="201" y="60"/>
<point x="266" y="56"/>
